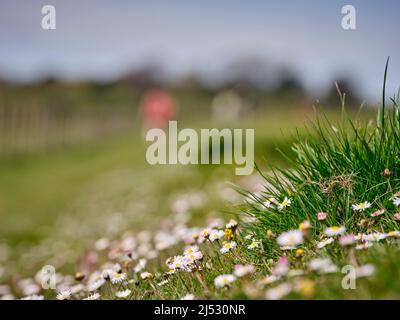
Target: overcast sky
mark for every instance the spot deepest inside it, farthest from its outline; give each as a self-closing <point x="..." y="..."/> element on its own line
<point x="101" y="39"/>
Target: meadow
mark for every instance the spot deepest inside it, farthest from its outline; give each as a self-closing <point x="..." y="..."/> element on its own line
<point x="114" y="227"/>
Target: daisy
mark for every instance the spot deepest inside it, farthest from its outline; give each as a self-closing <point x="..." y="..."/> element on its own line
<point x="364" y="246"/>
<point x="162" y="283"/>
<point x="396" y="216"/>
<point x="396" y="201"/>
<point x="377" y="236"/>
<point x="64" y="295"/>
<point x="290" y="239"/>
<point x="366" y="270"/>
<point x="269" y="279"/>
<point x="123" y="294"/>
<point x="94" y="296"/>
<point x="95" y="285"/>
<point x="140" y="266"/>
<point x="394" y="233"/>
<point x="305" y="225"/>
<point x="117" y="277"/>
<point x="282" y="267"/>
<point x="146" y="275"/>
<point x="254" y="244"/>
<point x="224" y="280"/>
<point x="33" y="297"/>
<point x="192" y="257"/>
<point x="323" y="265"/>
<point x="269" y="203"/>
<point x="362" y="206"/>
<point x="285" y="203"/>
<point x="334" y="231"/>
<point x="232" y="224"/>
<point x="378" y="213"/>
<point x="190" y="250"/>
<point x="227" y="246"/>
<point x="216" y="235"/>
<point x="241" y="270"/>
<point x="346" y="240"/>
<point x="324" y="243"/>
<point x="176" y="263"/>
<point x="278" y="292"/>
<point x="322" y="216"/>
<point x="189" y="296"/>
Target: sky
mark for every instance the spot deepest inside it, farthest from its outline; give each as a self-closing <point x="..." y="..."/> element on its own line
<point x="100" y="39"/>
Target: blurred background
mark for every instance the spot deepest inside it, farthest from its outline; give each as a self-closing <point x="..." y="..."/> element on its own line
<point x="74" y="101"/>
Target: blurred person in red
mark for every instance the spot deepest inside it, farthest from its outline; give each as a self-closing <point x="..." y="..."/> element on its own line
<point x="158" y="108"/>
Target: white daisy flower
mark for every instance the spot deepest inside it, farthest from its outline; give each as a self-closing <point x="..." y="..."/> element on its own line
<point x="231" y="224"/>
<point x="269" y="279"/>
<point x="290" y="239"/>
<point x="191" y="249"/>
<point x="192" y="257"/>
<point x="123" y="294"/>
<point x="94" y="296"/>
<point x="227" y="246"/>
<point x="324" y="243"/>
<point x="216" y="235"/>
<point x="285" y="203"/>
<point x="241" y="270"/>
<point x="396" y="201"/>
<point x="64" y="295"/>
<point x="335" y="231"/>
<point x="95" y="285"/>
<point x="189" y="296"/>
<point x="176" y="263"/>
<point x="224" y="280"/>
<point x="377" y="236"/>
<point x="269" y="203"/>
<point x="362" y="206"/>
<point x="116" y="277"/>
<point x="322" y="265"/>
<point x="364" y="246"/>
<point x="140" y="266"/>
<point x="254" y="244"/>
<point x="278" y="292"/>
<point x="146" y="275"/>
<point x="33" y="297"/>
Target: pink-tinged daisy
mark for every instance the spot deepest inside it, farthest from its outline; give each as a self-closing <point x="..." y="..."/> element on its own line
<point x="346" y="240"/>
<point x="282" y="267"/>
<point x="366" y="270"/>
<point x="278" y="292"/>
<point x="243" y="270"/>
<point x="396" y="216"/>
<point x="322" y="216"/>
<point x="290" y="239"/>
<point x="362" y="206"/>
<point x="378" y="213"/>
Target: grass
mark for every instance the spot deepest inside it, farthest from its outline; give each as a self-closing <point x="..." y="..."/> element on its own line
<point x="153" y="213"/>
